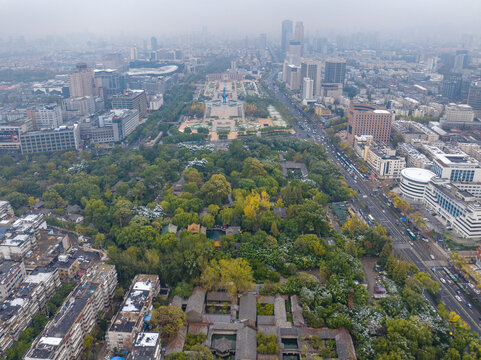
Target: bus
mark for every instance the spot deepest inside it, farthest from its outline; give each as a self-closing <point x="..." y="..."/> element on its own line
<point x="411" y="234"/>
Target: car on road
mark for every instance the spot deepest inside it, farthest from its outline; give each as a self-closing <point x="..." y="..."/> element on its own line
<point x="458" y="291"/>
<point x="458" y="298"/>
<point x="442" y="280"/>
<point x="412" y="244"/>
<point x="469" y="305"/>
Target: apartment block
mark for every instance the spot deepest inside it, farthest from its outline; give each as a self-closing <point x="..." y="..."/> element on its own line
<point x="130" y="319"/>
<point x="60" y="139"/>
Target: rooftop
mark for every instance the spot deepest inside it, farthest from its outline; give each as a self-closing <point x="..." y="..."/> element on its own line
<point x="417" y="174"/>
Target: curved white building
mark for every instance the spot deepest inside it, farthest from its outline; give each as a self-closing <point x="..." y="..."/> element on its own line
<point x="414" y="182"/>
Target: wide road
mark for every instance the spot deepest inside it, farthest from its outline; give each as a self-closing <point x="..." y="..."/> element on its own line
<point x="415" y="252"/>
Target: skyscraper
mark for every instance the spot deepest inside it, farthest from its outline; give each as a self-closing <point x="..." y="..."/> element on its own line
<point x="368" y="119"/>
<point x="307" y="89"/>
<point x="294" y="53"/>
<point x="133" y="53"/>
<point x="299" y="35"/>
<point x="82" y="81"/>
<point x="474" y="98"/>
<point x="286" y="35"/>
<point x="312" y="70"/>
<point x="335" y="71"/>
<point x="153" y="43"/>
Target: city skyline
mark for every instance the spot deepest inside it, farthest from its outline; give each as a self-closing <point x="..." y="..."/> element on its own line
<point x="235" y="18"/>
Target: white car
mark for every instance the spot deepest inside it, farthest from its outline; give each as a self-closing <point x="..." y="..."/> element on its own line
<point x="458" y="298"/>
<point x="442" y="280"/>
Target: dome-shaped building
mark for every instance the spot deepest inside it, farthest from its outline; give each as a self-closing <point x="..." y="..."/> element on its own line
<point x="414" y="182"/>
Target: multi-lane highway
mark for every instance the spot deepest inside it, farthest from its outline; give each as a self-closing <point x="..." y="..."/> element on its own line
<point x="425" y="255"/>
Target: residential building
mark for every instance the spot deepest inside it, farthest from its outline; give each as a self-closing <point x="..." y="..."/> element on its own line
<point x="60" y="139"/>
<point x="474" y="98"/>
<point x="68" y="267"/>
<point x="130" y="319"/>
<point x="80" y="106"/>
<point x="132" y="100"/>
<point x="147" y="346"/>
<point x="63" y="336"/>
<point x="81" y="81"/>
<point x="414" y="158"/>
<point x="368" y="119"/>
<point x="115" y="125"/>
<point x="411" y="130"/>
<point x="335" y="71"/>
<point x="12" y="273"/>
<point x="46" y="116"/>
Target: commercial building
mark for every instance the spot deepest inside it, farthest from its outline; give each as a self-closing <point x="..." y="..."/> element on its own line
<point x="115" y="125"/>
<point x="12" y="273"/>
<point x="458" y="113"/>
<point x="10" y="138"/>
<point x="132" y="100"/>
<point x="299" y="35"/>
<point x="457" y="167"/>
<point x="474" y="98"/>
<point x="368" y="119"/>
<point x="82" y="81"/>
<point x="292" y="76"/>
<point x="294" y="53"/>
<point x="307" y="89"/>
<point x="80" y="106"/>
<point x="459" y="208"/>
<point x="286" y="34"/>
<point x="312" y="69"/>
<point x="386" y="165"/>
<point x="410" y="130"/>
<point x="60" y="139"/>
<point x="46" y="116"/>
<point x="335" y="71"/>
<point x="130" y="319"/>
<point x="414" y="158"/>
<point x="63" y="336"/>
<point x="109" y="82"/>
<point x="414" y="182"/>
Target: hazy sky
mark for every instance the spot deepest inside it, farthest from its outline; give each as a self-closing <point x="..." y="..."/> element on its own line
<point x="161" y="17"/>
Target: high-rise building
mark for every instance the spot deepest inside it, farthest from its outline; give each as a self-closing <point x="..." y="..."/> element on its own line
<point x="335" y="71"/>
<point x="132" y="100"/>
<point x="294" y="53"/>
<point x="474" y="98"/>
<point x="291" y="75"/>
<point x="368" y="119"/>
<point x="307" y="89"/>
<point x="134" y="53"/>
<point x="109" y="82"/>
<point x="153" y="43"/>
<point x="451" y="86"/>
<point x="286" y="35"/>
<point x="82" y="81"/>
<point x="312" y="69"/>
<point x="299" y="35"/>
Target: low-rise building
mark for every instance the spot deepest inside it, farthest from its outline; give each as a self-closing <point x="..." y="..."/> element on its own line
<point x="414" y="158"/>
<point x="386" y="166"/>
<point x="147" y="346"/>
<point x="130" y="319"/>
<point x="59" y="139"/>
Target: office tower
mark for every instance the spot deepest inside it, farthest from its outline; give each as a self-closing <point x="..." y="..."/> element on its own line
<point x="153" y="43"/>
<point x="451" y="86"/>
<point x="82" y="81"/>
<point x="312" y="69"/>
<point x="368" y="119"/>
<point x="335" y="71"/>
<point x="109" y="82"/>
<point x="299" y="35"/>
<point x="474" y="98"/>
<point x="458" y="63"/>
<point x="294" y="53"/>
<point x="133" y="53"/>
<point x="291" y="75"/>
<point x="286" y="35"/>
<point x="132" y="100"/>
<point x="307" y="89"/>
<point x="262" y="42"/>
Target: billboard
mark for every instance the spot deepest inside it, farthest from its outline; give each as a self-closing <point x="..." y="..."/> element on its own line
<point x="9" y="134"/>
